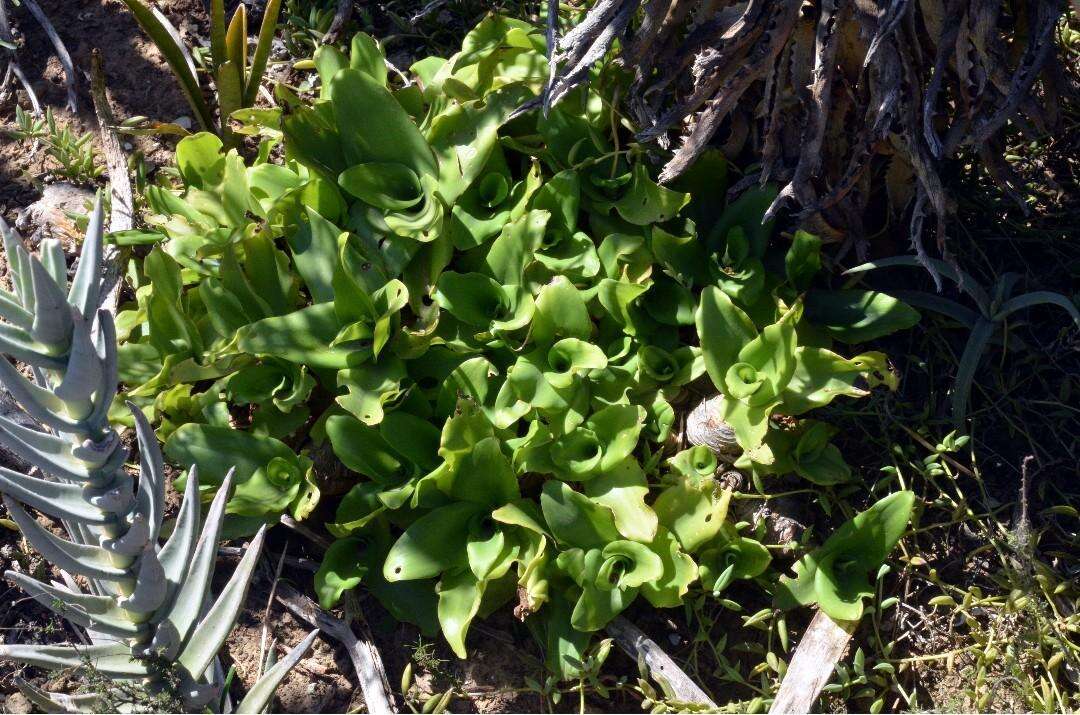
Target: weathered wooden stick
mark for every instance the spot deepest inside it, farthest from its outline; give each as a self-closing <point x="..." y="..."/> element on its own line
<point x="122" y="208"/>
<point x="363" y="653"/>
<point x="638" y="645"/>
<point x="815" y="658"/>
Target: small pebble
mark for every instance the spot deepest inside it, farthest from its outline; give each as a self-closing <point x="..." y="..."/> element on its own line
<point x="184" y="122"/>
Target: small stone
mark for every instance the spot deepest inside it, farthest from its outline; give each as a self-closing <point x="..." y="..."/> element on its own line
<point x="183" y="122"/>
<point x="17" y="703"/>
<point x="128" y="146"/>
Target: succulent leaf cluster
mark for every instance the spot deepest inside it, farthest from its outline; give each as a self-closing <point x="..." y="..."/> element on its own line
<point x="146" y="607"/>
<point x="490" y="316"/>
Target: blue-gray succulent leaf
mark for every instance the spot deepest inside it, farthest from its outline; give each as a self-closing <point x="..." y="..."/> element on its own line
<point x="12" y="311"/>
<point x="18" y="264"/>
<point x="260" y="694"/>
<point x="203" y="644"/>
<point x="150" y="587"/>
<point x="17" y="343"/>
<point x="52" y="313"/>
<point x="113" y="659"/>
<point x="176" y="623"/>
<point x="47" y="452"/>
<point x="106" y="352"/>
<point x="99" y="613"/>
<point x="63" y="501"/>
<point x="176" y="554"/>
<point x="51" y="254"/>
<point x="84" y="372"/>
<point x="85" y="293"/>
<point x="150" y="499"/>
<point x="83" y="559"/>
<point x="48" y="702"/>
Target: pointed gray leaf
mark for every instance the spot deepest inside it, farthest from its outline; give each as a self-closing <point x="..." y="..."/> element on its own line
<point x="84" y="559"/>
<point x="131" y="542"/>
<point x="59" y="702"/>
<point x="112" y="659"/>
<point x="150" y="500"/>
<point x="262" y="691"/>
<point x="39" y="403"/>
<point x="150" y="586"/>
<point x="99" y="613"/>
<point x="106" y="351"/>
<point x="18" y="264"/>
<point x="174" y="627"/>
<point x="52" y="313"/>
<point x="64" y="501"/>
<point x="84" y="372"/>
<point x="42" y="700"/>
<point x="86" y="286"/>
<point x="18" y="344"/>
<point x="47" y="452"/>
<point x="211" y="632"/>
<point x="176" y="554"/>
<point x="52" y="258"/>
<point x="12" y="311"/>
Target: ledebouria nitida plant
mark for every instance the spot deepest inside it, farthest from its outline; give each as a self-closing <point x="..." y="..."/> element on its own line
<point x="145" y="606"/>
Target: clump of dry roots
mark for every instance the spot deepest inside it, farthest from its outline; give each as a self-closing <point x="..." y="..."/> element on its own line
<point x="829" y="92"/>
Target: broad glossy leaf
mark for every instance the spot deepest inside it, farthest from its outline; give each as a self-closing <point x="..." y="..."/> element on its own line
<point x="341" y="569"/>
<point x="858" y="316"/>
<point x="679" y="571"/>
<point x="646" y="202"/>
<point x="387" y="133"/>
<point x="723" y="330"/>
<point x="575" y="520"/>
<point x="433" y="543"/>
<point x="303" y="336"/>
<point x="623" y="490"/>
<point x="459" y="601"/>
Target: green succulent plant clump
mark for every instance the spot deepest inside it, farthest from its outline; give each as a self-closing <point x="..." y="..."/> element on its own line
<point x="145" y="606"/>
<point x="492" y="317"/>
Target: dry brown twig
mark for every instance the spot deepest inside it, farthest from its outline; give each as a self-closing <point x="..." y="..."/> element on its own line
<point x="839" y="92"/>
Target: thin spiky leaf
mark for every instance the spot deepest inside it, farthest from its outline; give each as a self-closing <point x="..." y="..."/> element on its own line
<point x="175" y="625"/>
<point x="83" y="559"/>
<point x="52" y="258"/>
<point x="963" y="280"/>
<point x="12" y="311"/>
<point x="969" y="363"/>
<point x="212" y="631"/>
<point x="52" y="314"/>
<point x="150" y="499"/>
<point x="111" y="659"/>
<point x="83" y="375"/>
<point x="1038" y="297"/>
<point x="167" y="40"/>
<point x="85" y="290"/>
<point x="63" y="501"/>
<point x="39" y="403"/>
<point x="150" y="587"/>
<point x="217" y="32"/>
<point x="106" y="352"/>
<point x="99" y="613"/>
<point x="260" y="694"/>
